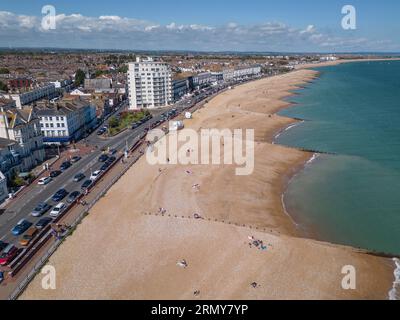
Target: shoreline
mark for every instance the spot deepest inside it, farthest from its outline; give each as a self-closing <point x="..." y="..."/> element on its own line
<point x="258" y="206"/>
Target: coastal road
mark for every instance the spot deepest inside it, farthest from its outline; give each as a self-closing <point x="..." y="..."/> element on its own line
<point x="22" y="206"/>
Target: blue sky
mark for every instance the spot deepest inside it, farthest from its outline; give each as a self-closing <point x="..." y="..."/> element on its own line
<point x="252" y="25"/>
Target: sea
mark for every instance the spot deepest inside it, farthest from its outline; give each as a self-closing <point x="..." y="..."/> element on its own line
<point x="349" y="192"/>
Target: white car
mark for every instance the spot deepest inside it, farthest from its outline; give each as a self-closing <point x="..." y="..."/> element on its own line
<point x="44" y="181"/>
<point x="57" y="210"/>
<point x="95" y="175"/>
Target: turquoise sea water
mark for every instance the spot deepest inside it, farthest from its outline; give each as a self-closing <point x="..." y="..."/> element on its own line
<point x="353" y="197"/>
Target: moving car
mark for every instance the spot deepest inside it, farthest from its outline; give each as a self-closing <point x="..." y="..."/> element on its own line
<point x="103" y="158"/>
<point x="40" y="209"/>
<point x="43" y="222"/>
<point x="79" y="177"/>
<point x="95" y="175"/>
<point x="28" y="236"/>
<point x="8" y="254"/>
<point x="43" y="181"/>
<point x="59" y="195"/>
<point x="73" y="196"/>
<point x="76" y="159"/>
<point x="21" y="227"/>
<point x="55" y="173"/>
<point x="57" y="210"/>
<point x="86" y="184"/>
<point x="65" y="165"/>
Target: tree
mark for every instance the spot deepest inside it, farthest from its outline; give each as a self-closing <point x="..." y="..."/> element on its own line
<point x="113" y="122"/>
<point x="123" y="69"/>
<point x="4" y="71"/>
<point x="3" y="87"/>
<point x="79" y="77"/>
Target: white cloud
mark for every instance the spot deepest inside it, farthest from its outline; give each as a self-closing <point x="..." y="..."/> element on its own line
<point x="110" y="31"/>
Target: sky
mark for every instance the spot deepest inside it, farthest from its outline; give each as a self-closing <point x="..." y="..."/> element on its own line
<point x="203" y="25"/>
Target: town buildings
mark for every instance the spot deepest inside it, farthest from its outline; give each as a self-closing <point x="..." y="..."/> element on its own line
<point x="241" y="72"/>
<point x="43" y="92"/>
<point x="180" y="87"/>
<point x="10" y="157"/>
<point x="3" y="187"/>
<point x="66" y="121"/>
<point x="149" y="84"/>
<point x="23" y="126"/>
<point x="98" y="84"/>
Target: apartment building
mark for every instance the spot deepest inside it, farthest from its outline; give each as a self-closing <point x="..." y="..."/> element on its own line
<point x="149" y="84"/>
<point x="23" y="126"/>
<point x="66" y="121"/>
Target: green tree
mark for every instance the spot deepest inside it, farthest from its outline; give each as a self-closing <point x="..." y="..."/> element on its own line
<point x="79" y="77"/>
<point x="123" y="69"/>
<point x="4" y="71"/>
<point x="113" y="122"/>
<point x="3" y="87"/>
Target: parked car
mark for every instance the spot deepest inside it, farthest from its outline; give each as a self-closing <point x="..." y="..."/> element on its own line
<point x="65" y="165"/>
<point x="43" y="181"/>
<point x="79" y="177"/>
<point x="135" y="125"/>
<point x="113" y="151"/>
<point x="40" y="209"/>
<point x="57" y="210"/>
<point x="8" y="254"/>
<point x="101" y="132"/>
<point x="86" y="184"/>
<point x="73" y="196"/>
<point x="111" y="159"/>
<point x="21" y="227"/>
<point x="43" y="222"/>
<point x="95" y="175"/>
<point x="3" y="245"/>
<point x="1" y="276"/>
<point x="76" y="159"/>
<point x="59" y="195"/>
<point x="103" y="158"/>
<point x="28" y="236"/>
<point x="55" y="173"/>
<point x="105" y="166"/>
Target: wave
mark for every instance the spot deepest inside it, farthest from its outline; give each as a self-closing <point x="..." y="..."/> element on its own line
<point x="286" y="129"/>
<point x="394" y="294"/>
<point x="313" y="158"/>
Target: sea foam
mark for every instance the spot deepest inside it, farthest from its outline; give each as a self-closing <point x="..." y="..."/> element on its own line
<point x="394" y="294"/>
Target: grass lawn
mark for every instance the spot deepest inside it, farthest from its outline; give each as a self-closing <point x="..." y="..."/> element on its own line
<point x="125" y="120"/>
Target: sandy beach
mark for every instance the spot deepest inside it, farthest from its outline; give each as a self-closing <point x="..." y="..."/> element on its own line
<point x="125" y="249"/>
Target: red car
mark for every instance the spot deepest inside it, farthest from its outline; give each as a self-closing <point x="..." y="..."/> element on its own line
<point x="8" y="255"/>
